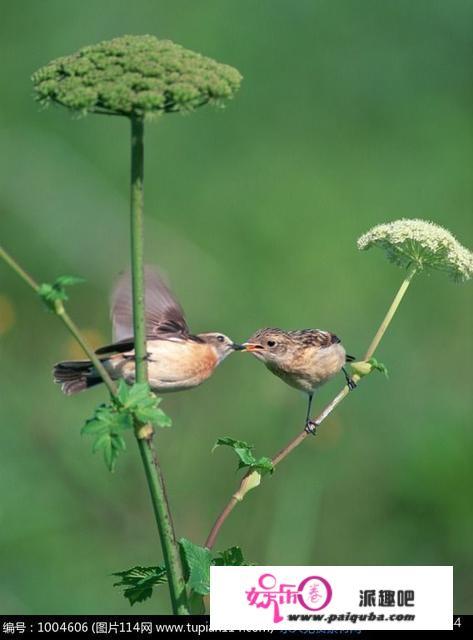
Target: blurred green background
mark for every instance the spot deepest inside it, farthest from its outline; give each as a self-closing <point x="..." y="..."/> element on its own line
<point x="351" y="113"/>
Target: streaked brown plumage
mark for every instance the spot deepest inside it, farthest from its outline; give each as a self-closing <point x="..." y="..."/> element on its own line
<point x="177" y="359"/>
<point x="305" y="359"/>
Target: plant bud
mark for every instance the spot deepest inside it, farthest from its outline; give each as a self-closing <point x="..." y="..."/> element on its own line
<point x="250" y="481"/>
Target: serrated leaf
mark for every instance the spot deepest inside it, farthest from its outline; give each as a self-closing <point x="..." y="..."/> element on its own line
<point x="379" y="366"/>
<point x="144" y="405"/>
<point x="121" y="421"/>
<point x="118" y="442"/>
<point x="155" y="416"/>
<point x="231" y="442"/>
<point x="107" y="426"/>
<point x="122" y="391"/>
<point x="145" y="414"/>
<point x="109" y="454"/>
<point x="247" y="458"/>
<point x="45" y="289"/>
<point x="196" y="604"/>
<point x="104" y="440"/>
<point x="245" y="455"/>
<point x="138" y="593"/>
<point x="52" y="293"/>
<point x="263" y="465"/>
<point x="197" y="561"/>
<point x="137" y="394"/>
<point x="139" y="582"/>
<point x="94" y="427"/>
<point x="232" y="557"/>
<point x="163" y="420"/>
<point x="67" y="281"/>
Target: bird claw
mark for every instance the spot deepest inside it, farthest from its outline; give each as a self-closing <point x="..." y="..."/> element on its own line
<point x="311" y="427"/>
<point x="351" y="384"/>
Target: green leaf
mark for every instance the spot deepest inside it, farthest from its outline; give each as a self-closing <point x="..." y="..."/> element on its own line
<point x="139" y="582"/>
<point x="104" y="440"/>
<point x="122" y="391"/>
<point x="143" y="404"/>
<point x="379" y="366"/>
<point x="67" y="281"/>
<point x="45" y="290"/>
<point x="118" y="443"/>
<point x="197" y="561"/>
<point x="110" y="421"/>
<point x="232" y="557"/>
<point x="263" y="465"/>
<point x="107" y="425"/>
<point x="50" y="295"/>
<point x="245" y="455"/>
<point x="231" y="442"/>
<point x="163" y="420"/>
<point x="55" y="292"/>
<point x="155" y="416"/>
<point x="196" y="604"/>
<point x="94" y="427"/>
<point x="109" y="453"/>
<point x="138" y="394"/>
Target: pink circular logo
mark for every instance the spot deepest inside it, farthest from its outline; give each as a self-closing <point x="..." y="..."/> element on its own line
<point x="315" y="593"/>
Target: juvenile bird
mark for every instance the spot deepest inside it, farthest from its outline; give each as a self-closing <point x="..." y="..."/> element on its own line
<point x="304" y="359"/>
<point x="177" y="359"/>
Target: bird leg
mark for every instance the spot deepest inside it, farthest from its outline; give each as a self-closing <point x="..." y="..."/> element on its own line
<point x="350" y="382"/>
<point x="310" y="425"/>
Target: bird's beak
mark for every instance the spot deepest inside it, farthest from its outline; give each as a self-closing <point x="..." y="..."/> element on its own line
<point x="251" y="346"/>
<point x="237" y="347"/>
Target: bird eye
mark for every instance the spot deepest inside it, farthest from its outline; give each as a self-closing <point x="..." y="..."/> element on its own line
<point x="221" y="338"/>
<point x="271" y="343"/>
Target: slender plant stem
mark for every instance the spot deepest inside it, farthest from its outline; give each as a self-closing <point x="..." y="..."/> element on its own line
<point x="137" y="248"/>
<point x="19" y="270"/>
<point x="390" y="314"/>
<point x="154" y="477"/>
<point x="295" y="442"/>
<point x="73" y="329"/>
<point x="231" y="504"/>
<point x="60" y="311"/>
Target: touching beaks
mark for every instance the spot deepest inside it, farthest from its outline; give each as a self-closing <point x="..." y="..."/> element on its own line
<point x="251" y="346"/>
<point x="237" y="347"/>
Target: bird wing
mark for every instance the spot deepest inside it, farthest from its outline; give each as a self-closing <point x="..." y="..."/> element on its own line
<point x="315" y="337"/>
<point x="122" y="346"/>
<point x="164" y="316"/>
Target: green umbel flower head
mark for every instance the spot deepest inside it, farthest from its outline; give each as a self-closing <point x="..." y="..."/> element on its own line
<point x="422" y="244"/>
<point x="135" y="75"/>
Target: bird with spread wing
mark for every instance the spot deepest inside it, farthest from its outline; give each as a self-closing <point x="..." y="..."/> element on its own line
<point x="177" y="359"/>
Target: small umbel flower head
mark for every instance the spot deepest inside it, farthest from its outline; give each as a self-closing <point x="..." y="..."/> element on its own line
<point x="421" y="244"/>
<point x="135" y="75"/>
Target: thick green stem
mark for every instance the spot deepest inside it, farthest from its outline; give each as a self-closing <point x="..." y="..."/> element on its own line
<point x="295" y="442"/>
<point x="172" y="560"/>
<point x="137" y="248"/>
<point x="67" y="320"/>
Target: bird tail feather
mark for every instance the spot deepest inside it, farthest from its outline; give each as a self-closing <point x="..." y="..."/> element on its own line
<point x="75" y="376"/>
